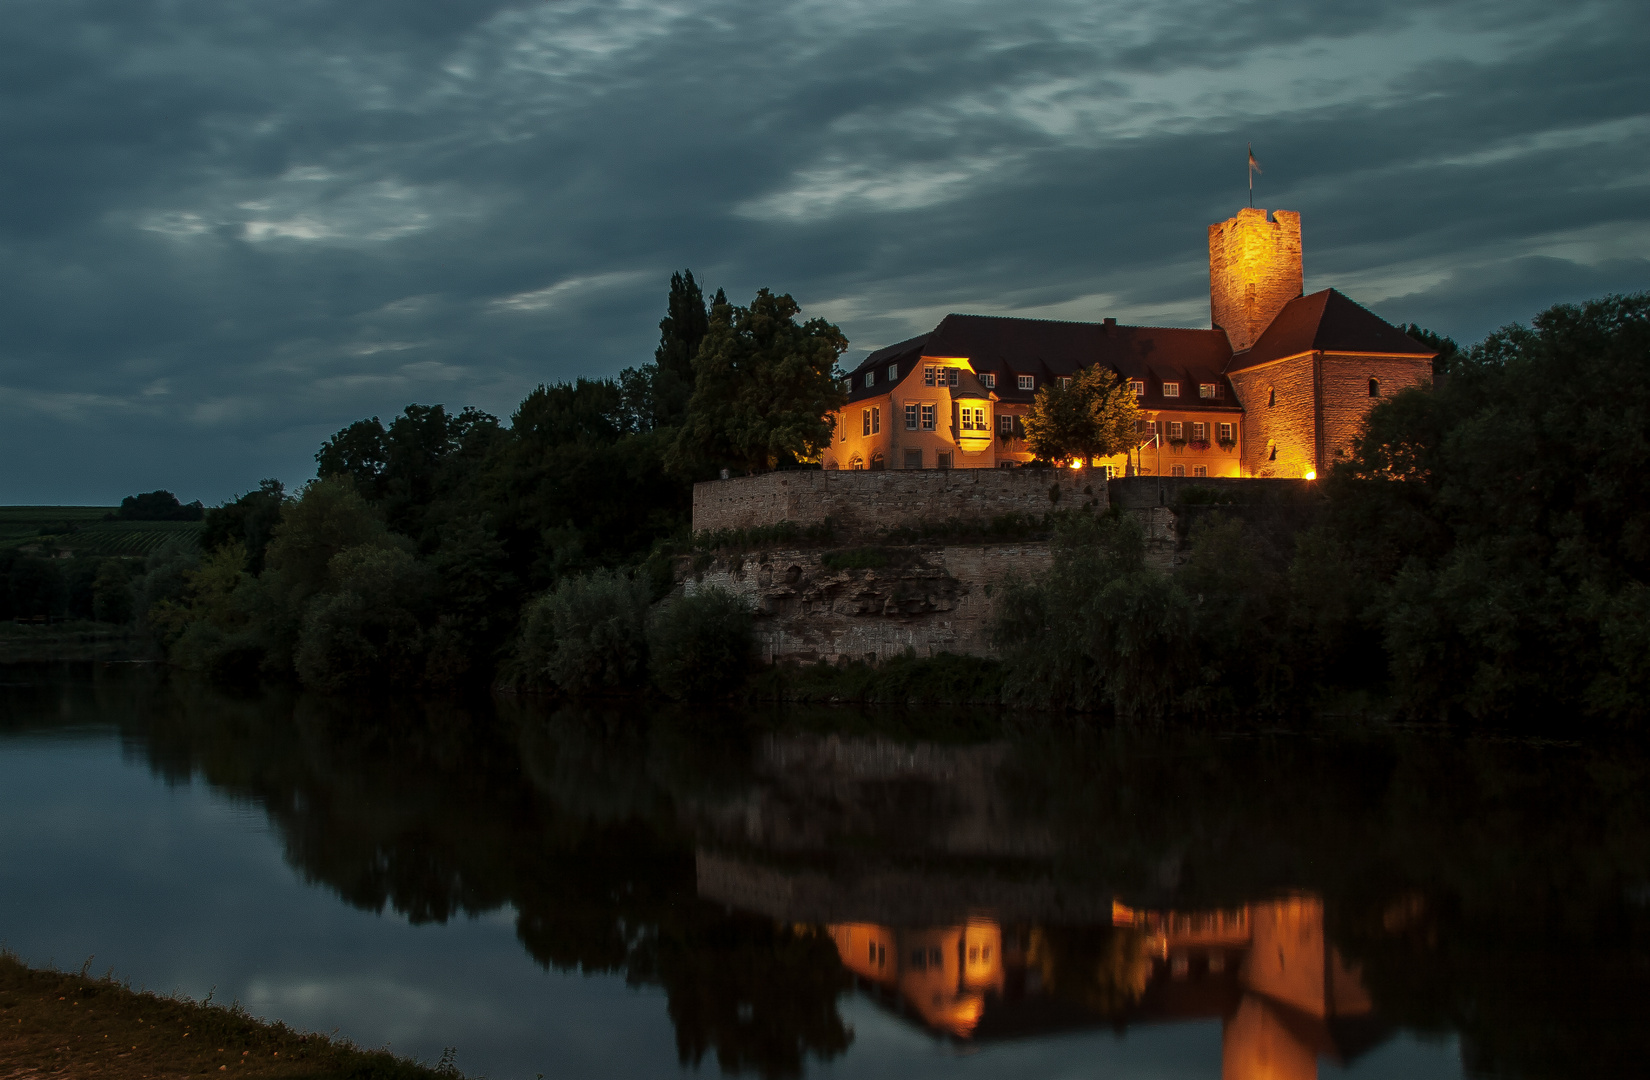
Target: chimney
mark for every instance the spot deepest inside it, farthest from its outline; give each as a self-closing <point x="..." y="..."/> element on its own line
<point x="1110" y="324"/>
<point x="1254" y="270"/>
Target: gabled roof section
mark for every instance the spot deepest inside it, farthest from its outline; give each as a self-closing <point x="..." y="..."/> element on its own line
<point x="904" y="354"/>
<point x="1327" y="321"/>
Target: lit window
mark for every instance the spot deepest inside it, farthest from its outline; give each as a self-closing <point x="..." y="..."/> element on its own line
<point x="1200" y="432"/>
<point x="893" y="373"/>
<point x="1028" y="382"/>
<point x="1107" y="472"/>
<point x="1171" y="389"/>
<point x="1177" y="470"/>
<point x="1200" y="470"/>
<point x="865" y="422"/>
<point x="1206" y="390"/>
<point x="1226" y="433"/>
<point x="973" y="419"/>
<point x="1005" y="424"/>
<point x="989" y="380"/>
<point x="1065" y="382"/>
<point x="870" y="378"/>
<point x="928" y="418"/>
<point x="876" y="421"/>
<point x="910" y="418"/>
<point x="1175" y="429"/>
<point x="1138" y="387"/>
<point x="928" y="374"/>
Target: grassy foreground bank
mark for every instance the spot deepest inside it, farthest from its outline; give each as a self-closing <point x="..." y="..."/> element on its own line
<point x="53" y="1023"/>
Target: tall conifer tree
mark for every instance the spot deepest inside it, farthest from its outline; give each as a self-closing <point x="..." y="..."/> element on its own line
<point x="681" y="331"/>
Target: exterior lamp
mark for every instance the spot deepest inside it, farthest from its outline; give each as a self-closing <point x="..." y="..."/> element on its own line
<point x="1311" y="474"/>
<point x="1077" y="463"/>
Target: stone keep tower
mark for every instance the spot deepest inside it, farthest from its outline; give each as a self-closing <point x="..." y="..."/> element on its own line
<point x="1254" y="270"/>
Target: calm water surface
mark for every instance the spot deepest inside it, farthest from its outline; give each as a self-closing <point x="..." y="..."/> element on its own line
<point x="642" y="893"/>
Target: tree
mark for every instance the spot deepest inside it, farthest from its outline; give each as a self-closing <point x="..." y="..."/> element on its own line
<point x="764" y="387"/>
<point x="250" y="519"/>
<point x="158" y="506"/>
<point x="682" y="330"/>
<point x="1092" y="417"/>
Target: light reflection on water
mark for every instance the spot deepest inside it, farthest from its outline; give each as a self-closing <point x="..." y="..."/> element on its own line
<point x="611" y="893"/>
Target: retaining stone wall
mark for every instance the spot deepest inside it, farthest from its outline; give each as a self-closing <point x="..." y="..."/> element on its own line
<point x="860" y="503"/>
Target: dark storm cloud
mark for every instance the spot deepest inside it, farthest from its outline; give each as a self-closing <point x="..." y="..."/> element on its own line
<point x="227" y="229"/>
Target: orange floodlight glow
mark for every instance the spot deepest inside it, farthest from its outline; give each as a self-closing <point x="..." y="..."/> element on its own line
<point x="1311" y="474"/>
<point x="1076" y="464"/>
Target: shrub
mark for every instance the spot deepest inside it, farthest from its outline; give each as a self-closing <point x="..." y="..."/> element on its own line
<point x="586" y="635"/>
<point x="365" y="628"/>
<point x="701" y="644"/>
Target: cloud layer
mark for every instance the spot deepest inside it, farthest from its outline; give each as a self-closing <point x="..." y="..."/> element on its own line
<point x="229" y="228"/>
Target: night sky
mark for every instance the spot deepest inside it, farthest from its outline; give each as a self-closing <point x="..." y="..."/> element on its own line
<point x="229" y="228"/>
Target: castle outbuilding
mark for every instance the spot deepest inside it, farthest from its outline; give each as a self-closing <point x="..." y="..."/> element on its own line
<point x="1277" y="387"/>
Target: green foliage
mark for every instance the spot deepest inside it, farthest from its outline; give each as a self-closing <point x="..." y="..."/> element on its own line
<point x="1093" y="417"/>
<point x="112" y="599"/>
<point x="902" y="679"/>
<point x="158" y="506"/>
<point x="250" y="520"/>
<point x="1493" y="514"/>
<point x="701" y="644"/>
<point x="861" y="558"/>
<point x="763" y="390"/>
<point x="1101" y="630"/>
<point x="761" y="536"/>
<point x="587" y="635"/>
<point x="365" y="628"/>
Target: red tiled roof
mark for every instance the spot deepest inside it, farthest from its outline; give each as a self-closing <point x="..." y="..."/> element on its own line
<point x="1326" y="321"/>
<point x="1048" y="349"/>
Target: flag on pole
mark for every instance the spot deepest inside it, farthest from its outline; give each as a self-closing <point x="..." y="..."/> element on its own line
<point x="1254" y="167"/>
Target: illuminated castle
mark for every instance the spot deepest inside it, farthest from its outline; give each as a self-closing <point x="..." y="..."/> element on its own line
<point x="1278" y="386"/>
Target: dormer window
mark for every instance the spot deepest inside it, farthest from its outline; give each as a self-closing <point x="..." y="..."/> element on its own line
<point x="1206" y="391"/>
<point x="870" y="378"/>
<point x="1065" y="382"/>
<point x="989" y="380"/>
<point x="1028" y="382"/>
<point x="1171" y="389"/>
<point x="893" y="373"/>
<point x="1137" y="387"/>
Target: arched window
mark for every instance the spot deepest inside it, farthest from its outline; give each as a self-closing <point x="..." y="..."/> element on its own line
<point x="1374" y="387"/>
<point x="1271" y="451"/>
<point x="856" y="463"/>
<point x="877" y="462"/>
<point x="1271" y="396"/>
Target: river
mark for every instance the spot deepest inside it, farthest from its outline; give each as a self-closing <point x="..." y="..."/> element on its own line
<point x="635" y="891"/>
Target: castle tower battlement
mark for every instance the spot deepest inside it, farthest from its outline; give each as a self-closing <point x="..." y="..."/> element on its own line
<point x="1254" y="270"/>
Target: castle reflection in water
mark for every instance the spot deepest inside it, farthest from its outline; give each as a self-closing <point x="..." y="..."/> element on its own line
<point x="1282" y="991"/>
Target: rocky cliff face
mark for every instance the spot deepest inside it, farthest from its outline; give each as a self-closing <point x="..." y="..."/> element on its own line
<point x="871" y="602"/>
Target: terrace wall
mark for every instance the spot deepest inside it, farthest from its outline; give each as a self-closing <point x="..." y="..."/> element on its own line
<point x="861" y="503"/>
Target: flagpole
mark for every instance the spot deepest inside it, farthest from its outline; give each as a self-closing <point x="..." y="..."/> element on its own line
<point x="1251" y="147"/>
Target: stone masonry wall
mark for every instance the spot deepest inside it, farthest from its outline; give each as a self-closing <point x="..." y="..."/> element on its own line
<point x="860" y="503"/>
<point x="1346" y="399"/>
<point x="928" y="598"/>
<point x="1290" y="424"/>
<point x="1254" y="270"/>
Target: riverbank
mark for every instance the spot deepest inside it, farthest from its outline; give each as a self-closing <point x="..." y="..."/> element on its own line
<point x="54" y="1023"/>
<point x="27" y="643"/>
